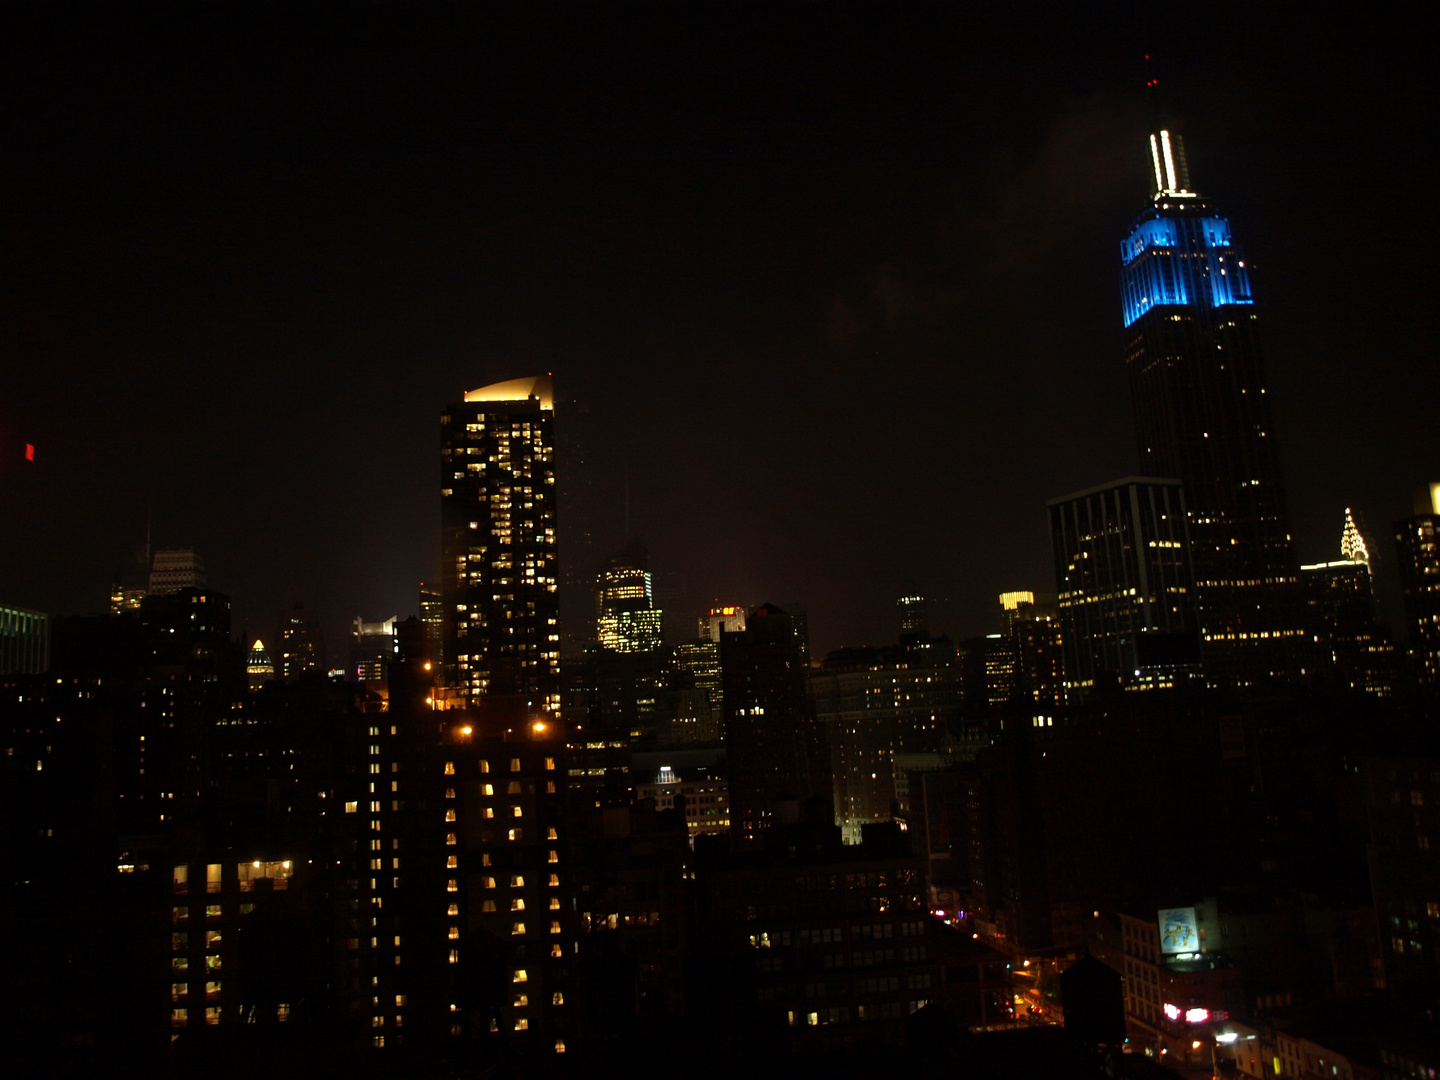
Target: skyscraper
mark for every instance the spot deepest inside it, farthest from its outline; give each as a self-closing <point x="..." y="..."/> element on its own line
<point x="1417" y="547"/>
<point x="626" y="618"/>
<point x="1340" y="604"/>
<point x="500" y="632"/>
<point x="1197" y="386"/>
<point x="1122" y="571"/>
<point x="175" y="569"/>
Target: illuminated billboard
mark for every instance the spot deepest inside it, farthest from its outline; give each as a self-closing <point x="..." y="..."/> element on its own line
<point x="1177" y="931"/>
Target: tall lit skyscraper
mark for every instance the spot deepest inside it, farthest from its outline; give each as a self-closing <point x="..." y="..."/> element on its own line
<point x="500" y="628"/>
<point x="626" y="618"/>
<point x="1197" y="385"/>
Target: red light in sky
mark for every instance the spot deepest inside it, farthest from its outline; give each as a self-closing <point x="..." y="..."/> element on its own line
<point x="29" y="451"/>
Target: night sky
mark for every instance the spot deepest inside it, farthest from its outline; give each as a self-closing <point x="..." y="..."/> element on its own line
<point x="832" y="289"/>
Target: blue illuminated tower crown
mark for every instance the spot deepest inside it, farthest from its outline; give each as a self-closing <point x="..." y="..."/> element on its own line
<point x="1197" y="385"/>
<point x="1180" y="251"/>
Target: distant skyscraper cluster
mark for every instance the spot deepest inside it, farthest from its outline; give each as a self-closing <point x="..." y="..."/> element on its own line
<point x="456" y="850"/>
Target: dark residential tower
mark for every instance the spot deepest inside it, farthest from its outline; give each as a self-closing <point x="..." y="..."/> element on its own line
<point x="775" y="746"/>
<point x="1197" y="385"/>
<point x="500" y="632"/>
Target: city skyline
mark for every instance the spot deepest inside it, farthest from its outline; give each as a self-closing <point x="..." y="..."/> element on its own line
<point x="805" y="360"/>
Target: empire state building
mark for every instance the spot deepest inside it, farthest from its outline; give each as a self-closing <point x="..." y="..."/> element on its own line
<point x="1197" y="385"/>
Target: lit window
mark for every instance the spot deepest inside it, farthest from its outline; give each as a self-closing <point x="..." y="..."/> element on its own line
<point x="485" y="768"/>
<point x="451" y="839"/>
<point x="487" y="907"/>
<point x="517" y="881"/>
<point x="559" y="1046"/>
<point x="515" y="811"/>
<point x="488" y="812"/>
<point x="517" y="904"/>
<point x="549" y="763"/>
<point x="521" y="1001"/>
<point x="554" y="903"/>
<point x="553" y="857"/>
<point x="179" y="1017"/>
<point x="179" y="990"/>
<point x="212" y="1014"/>
<point x="554" y="927"/>
<point x="452" y="885"/>
<point x="557" y="998"/>
<point x="487" y="789"/>
<point x="522" y="1024"/>
<point x="519" y="976"/>
<point x="488" y="881"/>
<point x="449" y="815"/>
<point x="552" y="834"/>
<point x="452" y="910"/>
<point x="514" y="764"/>
<point x="554" y="881"/>
<point x="454" y="956"/>
<point x="555" y="950"/>
<point x="451" y="862"/>
<point x="515" y="834"/>
<point x="518" y="928"/>
<point x="449" y="768"/>
<point x="454" y="933"/>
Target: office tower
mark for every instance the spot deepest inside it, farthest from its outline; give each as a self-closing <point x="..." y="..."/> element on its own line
<point x="1417" y="548"/>
<point x="626" y="618"/>
<point x="1122" y="572"/>
<point x="913" y="611"/>
<point x="1032" y="630"/>
<point x="1197" y="386"/>
<point x="1340" y="601"/>
<point x="123" y="599"/>
<point x="500" y="629"/>
<point x="697" y="664"/>
<point x="775" y="746"/>
<point x="372" y="648"/>
<point x="24" y="641"/>
<point x="301" y="644"/>
<point x="175" y="569"/>
<point x="729" y="619"/>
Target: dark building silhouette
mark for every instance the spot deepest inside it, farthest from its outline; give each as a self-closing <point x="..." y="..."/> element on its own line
<point x="1202" y="415"/>
<point x="884" y="711"/>
<point x="1417" y="550"/>
<point x="501" y="622"/>
<point x="24" y="641"/>
<point x="775" y="747"/>
<point x="1125" y="590"/>
<point x="299" y="644"/>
